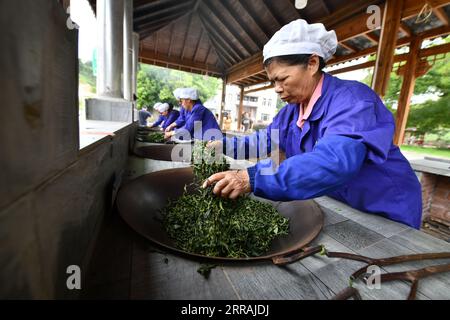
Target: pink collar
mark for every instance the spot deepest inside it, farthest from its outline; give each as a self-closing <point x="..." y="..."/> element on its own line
<point x="303" y="115"/>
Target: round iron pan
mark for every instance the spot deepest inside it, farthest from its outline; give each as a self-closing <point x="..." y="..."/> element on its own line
<point x="140" y="201"/>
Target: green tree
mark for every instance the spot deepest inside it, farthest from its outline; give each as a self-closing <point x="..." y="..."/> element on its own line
<point x="157" y="84"/>
<point x="86" y="74"/>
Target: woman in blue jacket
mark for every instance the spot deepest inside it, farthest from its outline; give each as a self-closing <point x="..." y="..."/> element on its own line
<point x="336" y="135"/>
<point x="167" y="115"/>
<point x="195" y="121"/>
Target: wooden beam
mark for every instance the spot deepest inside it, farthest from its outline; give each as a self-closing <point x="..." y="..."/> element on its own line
<point x="255" y="18"/>
<point x="147" y="55"/>
<point x="359" y="66"/>
<point x="405" y="29"/>
<point x="441" y="15"/>
<point x="171" y="39"/>
<point x="247" y="68"/>
<point x="409" y="80"/>
<point x="225" y="43"/>
<point x="221" y="52"/>
<point x="413" y="7"/>
<point x="207" y="53"/>
<point x="241" y="109"/>
<point x="165" y="20"/>
<point x="271" y="10"/>
<point x="237" y="18"/>
<point x="198" y="45"/>
<point x="386" y="47"/>
<point x="232" y="32"/>
<point x="440" y="49"/>
<point x="372" y="38"/>
<point x="348" y="47"/>
<point x="325" y="7"/>
<point x="155" y="14"/>
<point x="186" y="35"/>
<point x="270" y="86"/>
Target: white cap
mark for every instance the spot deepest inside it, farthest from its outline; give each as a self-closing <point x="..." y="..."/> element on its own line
<point x="299" y="37"/>
<point x="156" y="105"/>
<point x="186" y="93"/>
<point x="176" y="93"/>
<point x="162" y="107"/>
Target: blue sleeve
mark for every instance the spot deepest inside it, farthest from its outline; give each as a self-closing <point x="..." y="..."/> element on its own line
<point x="181" y="120"/>
<point x="261" y="142"/>
<point x="333" y="162"/>
<point x="196" y="115"/>
<point x="158" y="122"/>
<point x="239" y="147"/>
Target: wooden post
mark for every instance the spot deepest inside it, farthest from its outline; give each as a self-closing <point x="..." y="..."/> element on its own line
<point x="409" y="80"/>
<point x="241" y="108"/>
<point x="386" y="47"/>
<point x="222" y="103"/>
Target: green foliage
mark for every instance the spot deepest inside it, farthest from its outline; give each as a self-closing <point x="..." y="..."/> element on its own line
<point x="431" y="116"/>
<point x="157" y="84"/>
<point x="154" y="137"/>
<point x="203" y="223"/>
<point x="86" y="74"/>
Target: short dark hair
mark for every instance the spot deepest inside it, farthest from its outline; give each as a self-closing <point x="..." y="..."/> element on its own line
<point x="294" y="59"/>
<point x="170" y="106"/>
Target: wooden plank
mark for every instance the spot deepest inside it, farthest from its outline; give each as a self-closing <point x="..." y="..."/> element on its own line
<point x="160" y="275"/>
<point x="335" y="273"/>
<point x="407" y="90"/>
<point x="436" y="287"/>
<point x="372" y="222"/>
<point x="270" y="86"/>
<point x="331" y="217"/>
<point x="265" y="281"/>
<point x="386" y="47"/>
<point x="419" y="241"/>
<point x="352" y="234"/>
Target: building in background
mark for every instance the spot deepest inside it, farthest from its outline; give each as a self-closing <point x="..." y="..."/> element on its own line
<point x="260" y="105"/>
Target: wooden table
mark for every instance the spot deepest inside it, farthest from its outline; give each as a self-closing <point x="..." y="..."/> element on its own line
<point x="126" y="266"/>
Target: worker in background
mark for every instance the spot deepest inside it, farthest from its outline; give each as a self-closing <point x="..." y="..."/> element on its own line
<point x="143" y="115"/>
<point x="167" y="115"/>
<point x="193" y="111"/>
<point x="336" y="134"/>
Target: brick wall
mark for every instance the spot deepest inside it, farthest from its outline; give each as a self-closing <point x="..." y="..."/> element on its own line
<point x="440" y="202"/>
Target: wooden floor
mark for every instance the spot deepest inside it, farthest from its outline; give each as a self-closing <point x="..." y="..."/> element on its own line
<point x="127" y="266"/>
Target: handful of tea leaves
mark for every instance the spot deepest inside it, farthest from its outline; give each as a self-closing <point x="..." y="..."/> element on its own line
<point x="203" y="223"/>
<point x="155" y="137"/>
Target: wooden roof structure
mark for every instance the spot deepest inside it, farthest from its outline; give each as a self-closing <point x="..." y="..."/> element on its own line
<point x="225" y="38"/>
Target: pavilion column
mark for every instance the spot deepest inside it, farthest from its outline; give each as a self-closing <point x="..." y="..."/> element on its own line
<point x="386" y="47"/>
<point x="241" y="108"/>
<point x="128" y="50"/>
<point x="222" y="103"/>
<point x="409" y="80"/>
<point x="110" y="17"/>
<point x="135" y="62"/>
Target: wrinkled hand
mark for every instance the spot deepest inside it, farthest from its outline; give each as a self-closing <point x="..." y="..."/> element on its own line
<point x="230" y="184"/>
<point x="168" y="135"/>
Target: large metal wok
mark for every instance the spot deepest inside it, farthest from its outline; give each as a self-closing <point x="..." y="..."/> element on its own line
<point x="140" y="202"/>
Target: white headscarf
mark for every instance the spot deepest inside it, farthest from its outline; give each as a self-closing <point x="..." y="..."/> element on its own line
<point x="162" y="107"/>
<point x="186" y="93"/>
<point x="299" y="37"/>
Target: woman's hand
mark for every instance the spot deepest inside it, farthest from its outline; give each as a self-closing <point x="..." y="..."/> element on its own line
<point x="230" y="184"/>
<point x="168" y="135"/>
